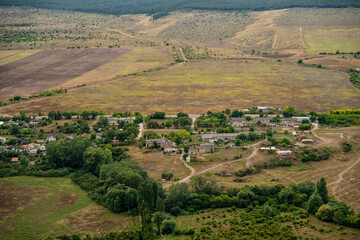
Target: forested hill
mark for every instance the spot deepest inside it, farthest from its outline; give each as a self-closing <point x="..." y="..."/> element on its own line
<point x="158" y="6"/>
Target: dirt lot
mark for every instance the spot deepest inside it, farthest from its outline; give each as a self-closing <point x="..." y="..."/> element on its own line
<point x="48" y="69"/>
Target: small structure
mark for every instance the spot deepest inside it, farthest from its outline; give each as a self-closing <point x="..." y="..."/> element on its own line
<point x="294" y="134"/>
<point x="207" y="148"/>
<point x="51" y="138"/>
<point x="192" y="151"/>
<point x="162" y="142"/>
<point x="171" y="150"/>
<point x="14" y="160"/>
<point x="71" y="136"/>
<point x="117" y="121"/>
<point x="32" y="152"/>
<point x="283" y="152"/>
<point x="2" y="140"/>
<point x="307" y="141"/>
<point x="214" y="137"/>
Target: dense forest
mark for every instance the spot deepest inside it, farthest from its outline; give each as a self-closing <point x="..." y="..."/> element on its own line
<point x="158" y="6"/>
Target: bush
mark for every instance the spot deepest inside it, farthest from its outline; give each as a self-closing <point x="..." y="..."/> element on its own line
<point x="347" y="146"/>
<point x="168" y="226"/>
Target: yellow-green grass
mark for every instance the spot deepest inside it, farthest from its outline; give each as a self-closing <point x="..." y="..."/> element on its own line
<point x="8" y="56"/>
<point x="222" y="217"/>
<point x="332" y="40"/>
<point x="210" y="85"/>
<point x="156" y="163"/>
<point x="32" y="208"/>
<point x="221" y="155"/>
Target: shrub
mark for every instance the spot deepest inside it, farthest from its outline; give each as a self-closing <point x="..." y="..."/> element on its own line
<point x="168" y="226"/>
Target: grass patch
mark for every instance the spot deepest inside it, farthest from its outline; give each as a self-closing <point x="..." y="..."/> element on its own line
<point x="54" y="206"/>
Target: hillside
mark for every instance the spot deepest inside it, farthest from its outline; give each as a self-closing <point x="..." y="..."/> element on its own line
<point x="157" y="6"/>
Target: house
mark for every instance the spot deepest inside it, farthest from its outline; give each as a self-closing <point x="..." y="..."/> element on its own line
<point x="283" y="152"/>
<point x="71" y="136"/>
<point x="3" y="140"/>
<point x="14" y="160"/>
<point x="98" y="136"/>
<point x="237" y="122"/>
<point x="206" y="148"/>
<point x="192" y="151"/>
<point x="171" y="150"/>
<point x="40" y="140"/>
<point x="307" y="141"/>
<point x="33" y="152"/>
<point x="162" y="142"/>
<point x="294" y="134"/>
<point x="117" y="121"/>
<point x="51" y="138"/>
<point x="262" y="121"/>
<point x="292" y="122"/>
<point x="266" y="143"/>
<point x="214" y="137"/>
<point x="2" y="123"/>
<point x="42" y="148"/>
<point x="28" y="147"/>
<point x="267" y="148"/>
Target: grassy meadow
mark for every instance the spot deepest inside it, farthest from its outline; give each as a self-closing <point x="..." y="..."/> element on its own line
<point x="33" y="207"/>
<point x="332" y="40"/>
<point x="211" y="85"/>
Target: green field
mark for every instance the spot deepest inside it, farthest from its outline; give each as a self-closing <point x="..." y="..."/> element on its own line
<point x="32" y="208"/>
<point x="210" y="85"/>
<point x="332" y="40"/>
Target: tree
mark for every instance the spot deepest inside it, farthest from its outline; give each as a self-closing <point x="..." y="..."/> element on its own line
<point x="289" y="112"/>
<point x="314" y="203"/>
<point x="227" y="111"/>
<point x="146" y="223"/>
<point x="67" y="152"/>
<point x="168" y="123"/>
<point x="339" y="217"/>
<point x="160" y="205"/>
<point x="159" y="217"/>
<point x="322" y="190"/>
<point x="325" y="213"/>
<point x="203" y="185"/>
<point x="287" y="195"/>
<point x="237" y="114"/>
<point x="181" y="114"/>
<point x="95" y="157"/>
<point x="146" y="194"/>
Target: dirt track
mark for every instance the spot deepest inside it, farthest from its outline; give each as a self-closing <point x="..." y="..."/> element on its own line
<point x="48" y="69"/>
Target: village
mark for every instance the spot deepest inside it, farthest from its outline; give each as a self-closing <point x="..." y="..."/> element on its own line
<point x="195" y="138"/>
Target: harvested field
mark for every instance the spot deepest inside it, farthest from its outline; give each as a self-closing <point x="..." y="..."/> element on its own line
<point x="48" y="69"/>
<point x="210" y="85"/>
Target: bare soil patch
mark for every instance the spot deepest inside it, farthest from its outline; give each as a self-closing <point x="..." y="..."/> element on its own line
<point x="12" y="201"/>
<point x="48" y="69"/>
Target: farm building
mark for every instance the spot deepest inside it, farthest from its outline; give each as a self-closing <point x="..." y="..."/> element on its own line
<point x="307" y="141"/>
<point x="14" y="160"/>
<point x="162" y="142"/>
<point x="214" y="137"/>
<point x="206" y="148"/>
<point x="284" y="152"/>
<point x="116" y="121"/>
